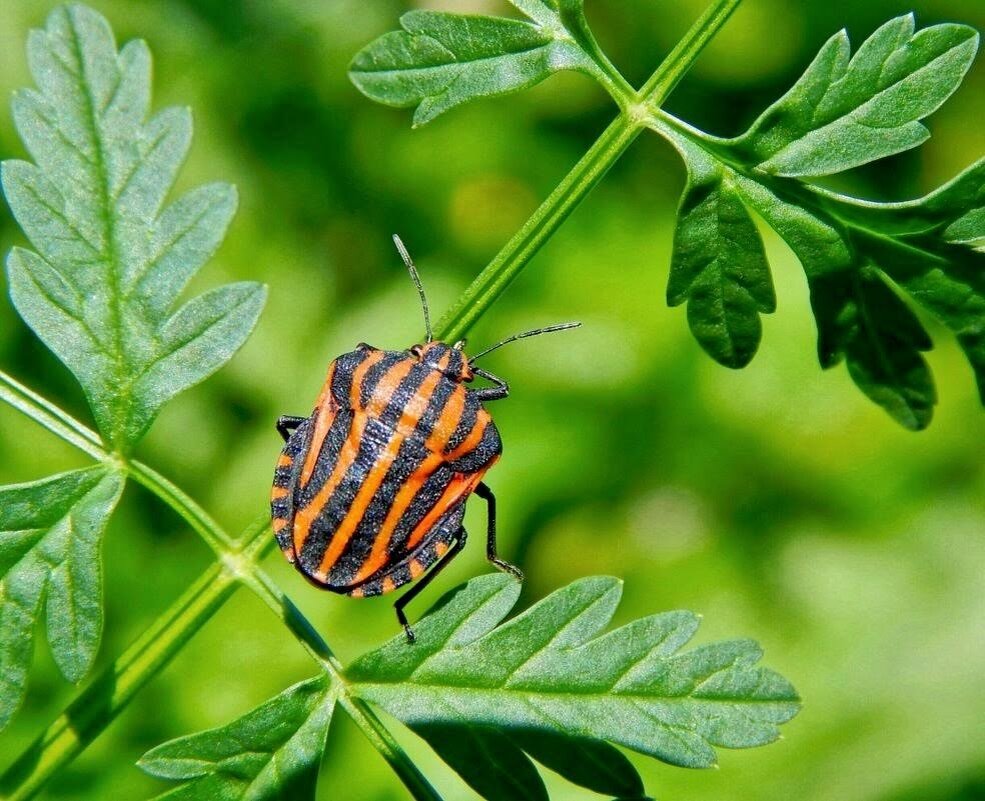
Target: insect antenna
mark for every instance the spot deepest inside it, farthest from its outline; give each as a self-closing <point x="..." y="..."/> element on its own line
<point x="402" y="250"/>
<point x="546" y="330"/>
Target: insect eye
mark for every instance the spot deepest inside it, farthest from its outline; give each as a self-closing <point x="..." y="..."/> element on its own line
<point x="416" y="350"/>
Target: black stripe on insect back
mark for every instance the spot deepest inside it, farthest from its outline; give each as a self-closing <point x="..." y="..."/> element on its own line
<point x="409" y="458"/>
<point x="466" y="423"/>
<point x="375" y="374"/>
<point x="411" y="455"/>
<point x="374" y="439"/>
<point x="424" y="501"/>
<point x="327" y="457"/>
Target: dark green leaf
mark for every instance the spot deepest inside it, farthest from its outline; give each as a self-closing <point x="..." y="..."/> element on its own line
<point x="111" y="259"/>
<point x="853" y="251"/>
<point x="718" y="265"/>
<point x="551" y="669"/>
<point x="441" y="60"/>
<point x="846" y="112"/>
<point x="272" y="752"/>
<point x="494" y="764"/>
<point x="50" y="532"/>
<point x="861" y="319"/>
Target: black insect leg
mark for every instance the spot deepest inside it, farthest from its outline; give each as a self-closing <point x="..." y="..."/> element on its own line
<point x="416" y="590"/>
<point x="498" y="392"/>
<point x="483" y="491"/>
<point x="286" y="424"/>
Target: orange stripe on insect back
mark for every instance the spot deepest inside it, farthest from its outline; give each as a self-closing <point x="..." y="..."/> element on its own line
<point x="409" y="418"/>
<point x="471" y="442"/>
<point x="325" y="408"/>
<point x="347" y="455"/>
<point x="384" y="390"/>
<point x="277" y="493"/>
<point x="446" y="425"/>
<point x="459" y="488"/>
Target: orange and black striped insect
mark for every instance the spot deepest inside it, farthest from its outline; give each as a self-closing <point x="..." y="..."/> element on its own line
<point x="370" y="490"/>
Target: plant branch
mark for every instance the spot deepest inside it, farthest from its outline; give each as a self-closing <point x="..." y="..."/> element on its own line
<point x="583" y="177"/>
<point x="361" y="714"/>
<point x="107" y="695"/>
<point x="46" y="414"/>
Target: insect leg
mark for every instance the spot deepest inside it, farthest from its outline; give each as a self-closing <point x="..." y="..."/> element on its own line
<point x="416" y="590"/>
<point x="483" y="491"/>
<point x="498" y="392"/>
<point x="286" y="424"/>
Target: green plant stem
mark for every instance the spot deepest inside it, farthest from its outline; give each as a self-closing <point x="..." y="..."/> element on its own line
<point x="46" y="414"/>
<point x="575" y="186"/>
<point x="367" y="721"/>
<point x="107" y="695"/>
<point x="96" y="707"/>
<point x="197" y="518"/>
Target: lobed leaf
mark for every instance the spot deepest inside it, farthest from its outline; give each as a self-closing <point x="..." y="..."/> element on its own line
<point x="50" y="532"/>
<point x="860" y="257"/>
<point x="498" y="766"/>
<point x="551" y="670"/>
<point x="718" y="265"/>
<point x="844" y="112"/>
<point x="440" y="60"/>
<point x="110" y="259"/>
<point x="272" y="752"/>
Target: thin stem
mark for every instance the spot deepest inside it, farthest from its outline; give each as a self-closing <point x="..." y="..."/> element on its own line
<point x="46" y="414"/>
<point x="197" y="518"/>
<point x="685" y="53"/>
<point x="361" y="714"/>
<point x="575" y="186"/>
<point x="109" y="693"/>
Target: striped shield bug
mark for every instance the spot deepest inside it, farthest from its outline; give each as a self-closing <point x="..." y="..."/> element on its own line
<point x="369" y="491"/>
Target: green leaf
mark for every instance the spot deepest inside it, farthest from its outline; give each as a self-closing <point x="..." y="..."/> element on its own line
<point x="110" y="258"/>
<point x="551" y="670"/>
<point x="864" y="260"/>
<point x="846" y="112"/>
<point x="862" y="320"/>
<point x="498" y="767"/>
<point x="50" y="532"/>
<point x="272" y="752"/>
<point x="718" y="265"/>
<point x="441" y="60"/>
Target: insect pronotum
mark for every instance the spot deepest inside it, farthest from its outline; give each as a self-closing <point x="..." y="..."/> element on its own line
<point x="369" y="491"/>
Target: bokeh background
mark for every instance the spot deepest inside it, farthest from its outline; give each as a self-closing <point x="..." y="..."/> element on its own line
<point x="776" y="501"/>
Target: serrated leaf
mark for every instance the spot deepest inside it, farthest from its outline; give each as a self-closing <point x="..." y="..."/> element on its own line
<point x="854" y="252"/>
<point x="718" y="265"/>
<point x="497" y="765"/>
<point x="272" y="752"/>
<point x="551" y="669"/>
<point x="863" y="321"/>
<point x="50" y="531"/>
<point x="440" y="60"/>
<point x="844" y="112"/>
<point x="111" y="259"/>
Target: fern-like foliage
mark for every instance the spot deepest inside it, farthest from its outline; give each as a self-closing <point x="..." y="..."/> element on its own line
<point x="111" y="259"/>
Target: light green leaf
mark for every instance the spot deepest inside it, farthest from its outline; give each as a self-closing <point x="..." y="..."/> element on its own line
<point x="855" y="253"/>
<point x="50" y="532"/>
<point x="111" y="259"/>
<point x="441" y="60"/>
<point x="718" y="265"/>
<point x="272" y="752"/>
<point x="551" y="669"/>
<point x="846" y="112"/>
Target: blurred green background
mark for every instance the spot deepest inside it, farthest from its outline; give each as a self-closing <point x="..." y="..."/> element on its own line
<point x="776" y="501"/>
